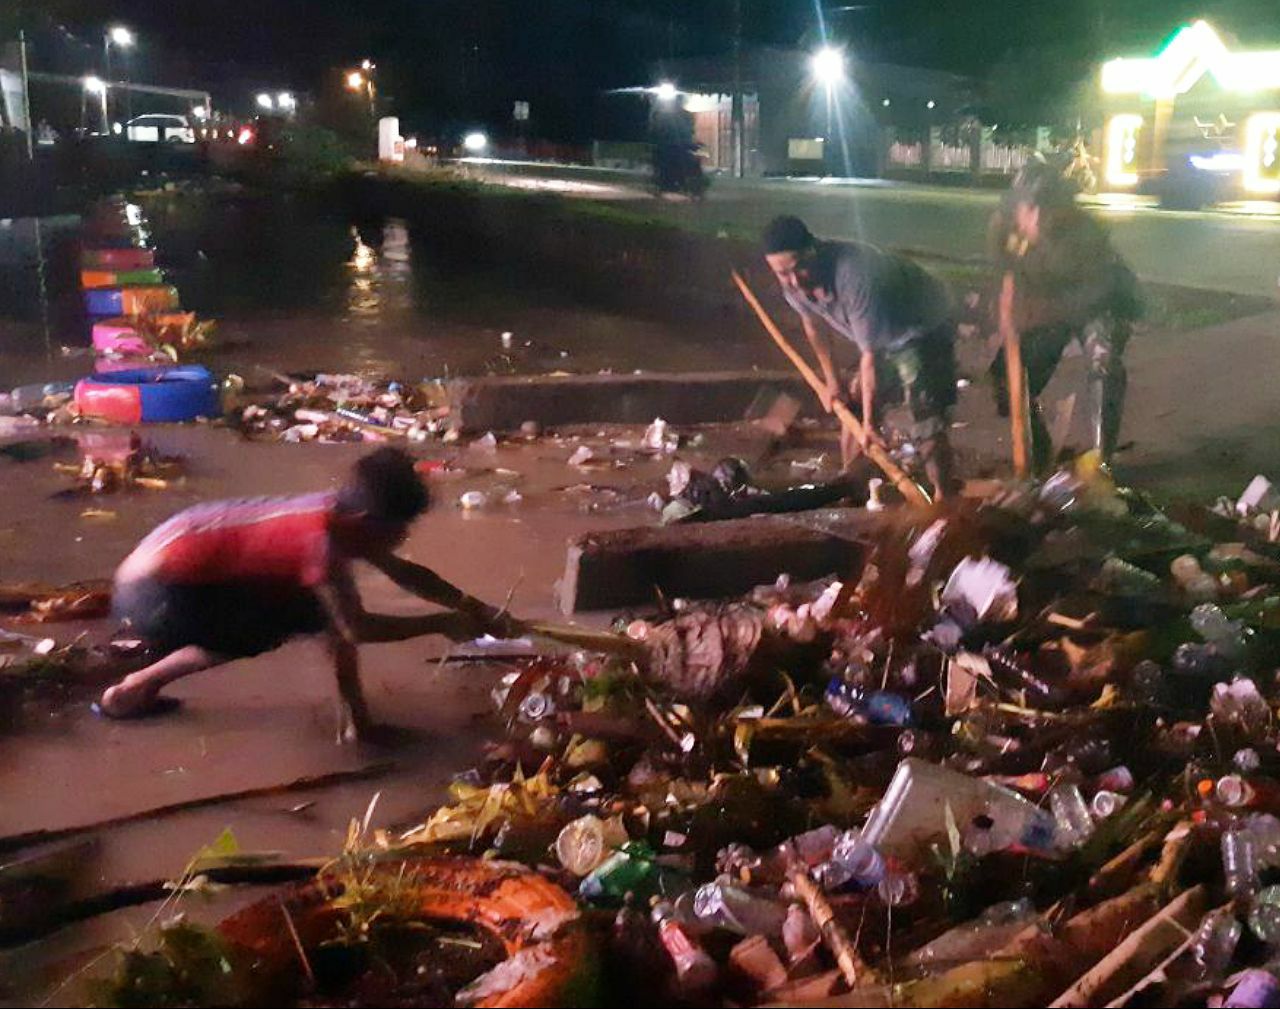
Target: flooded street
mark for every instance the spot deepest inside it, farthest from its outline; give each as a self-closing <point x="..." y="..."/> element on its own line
<point x="300" y="290"/>
<point x="297" y="294"/>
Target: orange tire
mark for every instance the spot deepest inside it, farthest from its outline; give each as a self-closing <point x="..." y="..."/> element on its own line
<point x="516" y="905"/>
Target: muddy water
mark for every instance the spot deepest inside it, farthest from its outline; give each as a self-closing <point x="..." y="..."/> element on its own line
<point x="301" y="292"/>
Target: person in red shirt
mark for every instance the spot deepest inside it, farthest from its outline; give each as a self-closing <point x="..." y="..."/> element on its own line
<point x="232" y="579"/>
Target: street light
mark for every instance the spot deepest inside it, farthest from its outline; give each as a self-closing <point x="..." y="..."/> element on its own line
<point x="827" y="66"/>
<point x="666" y="92"/>
<point x="286" y="101"/>
<point x="120" y="37"/>
<point x="96" y="86"/>
<point x="475" y="142"/>
<point x="366" y="64"/>
<point x="362" y="80"/>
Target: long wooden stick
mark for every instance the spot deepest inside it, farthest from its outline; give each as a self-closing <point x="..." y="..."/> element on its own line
<point x="907" y="487"/>
<point x="851" y="965"/>
<point x="14" y="842"/>
<point x="1019" y="408"/>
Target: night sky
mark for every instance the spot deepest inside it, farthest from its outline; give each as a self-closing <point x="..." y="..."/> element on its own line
<point x="446" y="63"/>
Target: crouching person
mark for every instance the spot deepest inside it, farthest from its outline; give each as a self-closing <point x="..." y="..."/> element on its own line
<point x="232" y="579"/>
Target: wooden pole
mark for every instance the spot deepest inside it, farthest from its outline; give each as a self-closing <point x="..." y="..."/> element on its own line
<point x="1019" y="406"/>
<point x="907" y="487"/>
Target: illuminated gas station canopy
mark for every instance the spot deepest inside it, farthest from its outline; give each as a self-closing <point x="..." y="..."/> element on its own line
<point x="1195" y="50"/>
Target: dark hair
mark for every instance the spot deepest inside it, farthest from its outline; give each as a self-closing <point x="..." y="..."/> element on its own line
<point x="1042" y="184"/>
<point x="787" y="234"/>
<point x="385" y="487"/>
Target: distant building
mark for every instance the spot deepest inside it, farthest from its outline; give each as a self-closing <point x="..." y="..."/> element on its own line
<point x="866" y="119"/>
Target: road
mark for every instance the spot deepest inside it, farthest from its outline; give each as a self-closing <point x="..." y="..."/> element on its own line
<point x="1224" y="251"/>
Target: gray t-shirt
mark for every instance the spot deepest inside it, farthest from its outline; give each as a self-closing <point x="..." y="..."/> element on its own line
<point x="875" y="299"/>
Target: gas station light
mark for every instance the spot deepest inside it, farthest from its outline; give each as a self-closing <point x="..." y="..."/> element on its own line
<point x="666" y="92"/>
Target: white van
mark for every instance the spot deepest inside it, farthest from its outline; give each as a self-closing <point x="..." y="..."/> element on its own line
<point x="157" y="128"/>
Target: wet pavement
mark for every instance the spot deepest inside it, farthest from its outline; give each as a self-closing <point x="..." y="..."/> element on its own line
<point x="313" y="295"/>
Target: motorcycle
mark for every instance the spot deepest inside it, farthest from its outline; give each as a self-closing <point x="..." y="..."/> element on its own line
<point x="677" y="168"/>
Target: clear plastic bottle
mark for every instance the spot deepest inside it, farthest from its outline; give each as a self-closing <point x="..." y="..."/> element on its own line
<point x="1071" y="813"/>
<point x="1264" y="916"/>
<point x="738" y="910"/>
<point x="1215" y="943"/>
<point x="1239" y="862"/>
<point x="1105" y="804"/>
<point x="1265" y="831"/>
<point x="1229" y="637"/>
<point x="912" y="814"/>
<point x="853" y="862"/>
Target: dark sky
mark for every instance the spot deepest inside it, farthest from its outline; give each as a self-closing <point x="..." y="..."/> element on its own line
<point x="449" y="62"/>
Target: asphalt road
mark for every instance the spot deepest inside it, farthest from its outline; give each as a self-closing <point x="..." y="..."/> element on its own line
<point x="1225" y="251"/>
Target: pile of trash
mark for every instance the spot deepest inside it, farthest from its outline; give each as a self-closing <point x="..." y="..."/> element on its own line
<point x="1026" y="755"/>
<point x="108" y="468"/>
<point x="343" y="408"/>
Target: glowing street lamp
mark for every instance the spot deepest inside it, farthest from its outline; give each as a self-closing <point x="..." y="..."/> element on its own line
<point x="666" y="92"/>
<point x="362" y="80"/>
<point x="475" y="142"/>
<point x="355" y="80"/>
<point x="827" y="66"/>
<point x="266" y="102"/>
<point x="286" y="102"/>
<point x="121" y="36"/>
<point x="97" y="86"/>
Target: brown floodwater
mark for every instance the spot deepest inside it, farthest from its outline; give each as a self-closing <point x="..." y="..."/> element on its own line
<point x="299" y="293"/>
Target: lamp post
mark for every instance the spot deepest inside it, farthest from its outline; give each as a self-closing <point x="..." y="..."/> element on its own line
<point x="362" y="80"/>
<point x="122" y="38"/>
<point x="97" y="86"/>
<point x="827" y="67"/>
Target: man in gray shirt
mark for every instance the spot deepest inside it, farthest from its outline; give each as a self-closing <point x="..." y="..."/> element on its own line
<point x="896" y="313"/>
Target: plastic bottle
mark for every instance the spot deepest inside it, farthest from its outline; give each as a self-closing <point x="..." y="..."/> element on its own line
<point x="1239" y="862"/>
<point x="1192" y="579"/>
<point x="853" y="862"/>
<point x="1105" y="804"/>
<point x="1229" y="637"/>
<point x="727" y="906"/>
<point x="1147" y="681"/>
<point x="1265" y="831"/>
<point x="845" y="699"/>
<point x="695" y="970"/>
<point x="898" y="888"/>
<point x="886" y="708"/>
<point x="1215" y="943"/>
<point x="913" y="813"/>
<point x="1255" y="989"/>
<point x="631" y="869"/>
<point x="978" y="938"/>
<point x="1264" y="916"/>
<point x="1239" y="703"/>
<point x="1071" y="813"/>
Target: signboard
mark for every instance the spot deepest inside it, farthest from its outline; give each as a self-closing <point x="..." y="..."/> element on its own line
<point x="390" y="143"/>
<point x="805" y="148"/>
<point x="520" y="112"/>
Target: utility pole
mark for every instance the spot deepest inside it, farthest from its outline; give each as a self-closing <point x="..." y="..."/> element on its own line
<point x="26" y="95"/>
<point x="739" y="144"/>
